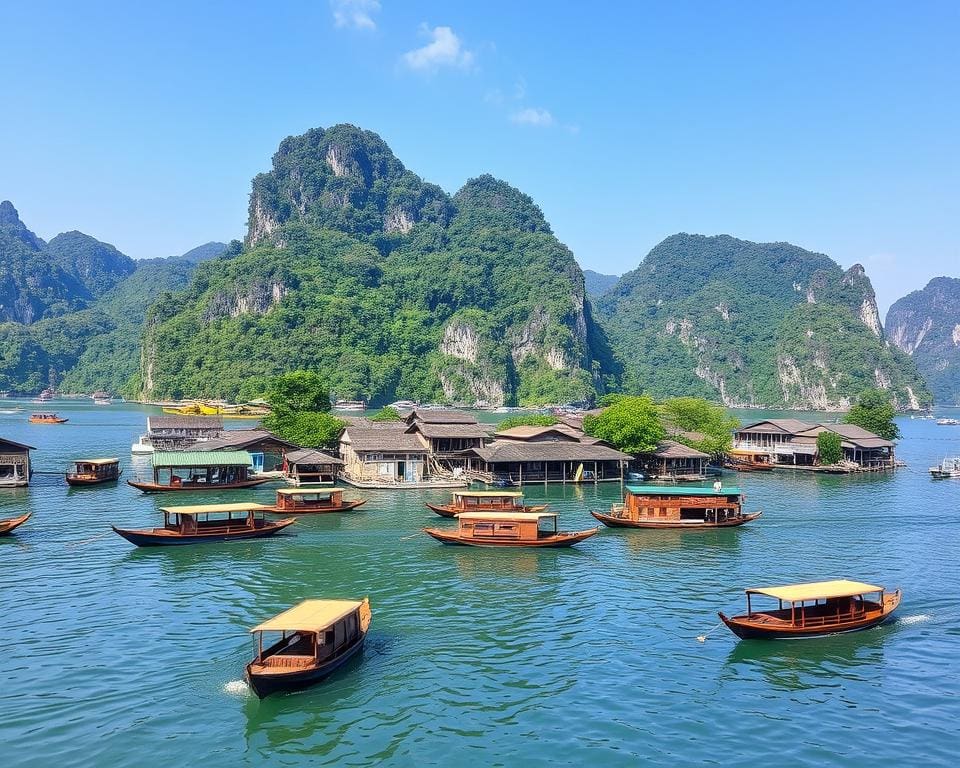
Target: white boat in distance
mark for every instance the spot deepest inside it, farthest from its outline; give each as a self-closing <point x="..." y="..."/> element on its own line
<point x="142" y="447"/>
<point x="947" y="422"/>
<point x="946" y="468"/>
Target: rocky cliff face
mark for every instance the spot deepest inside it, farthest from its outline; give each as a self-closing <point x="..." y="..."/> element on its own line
<point x="926" y="325"/>
<point x="356" y="267"/>
<point x="753" y="324"/>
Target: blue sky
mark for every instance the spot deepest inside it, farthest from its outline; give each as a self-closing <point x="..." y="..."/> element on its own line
<point x="832" y="125"/>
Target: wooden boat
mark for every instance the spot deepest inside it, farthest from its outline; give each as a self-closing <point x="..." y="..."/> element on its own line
<point x="306" y="501"/>
<point x="46" y="418"/>
<point x="94" y="472"/>
<point x="813" y="610"/>
<point x="747" y="460"/>
<point x="199" y="471"/>
<point x="8" y="526"/>
<point x="655" y="506"/>
<point x="485" y="501"/>
<point x="317" y="637"/>
<point x="206" y="523"/>
<point x="509" y="529"/>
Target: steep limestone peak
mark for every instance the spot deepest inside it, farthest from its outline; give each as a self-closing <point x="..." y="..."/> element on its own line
<point x="500" y="203"/>
<point x="10" y="222"/>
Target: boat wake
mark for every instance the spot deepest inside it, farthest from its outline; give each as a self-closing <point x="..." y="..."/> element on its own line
<point x="236" y="688"/>
<point x="917" y="619"/>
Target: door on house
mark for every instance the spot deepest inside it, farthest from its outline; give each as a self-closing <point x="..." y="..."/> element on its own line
<point x="257" y="460"/>
<point x="401" y="470"/>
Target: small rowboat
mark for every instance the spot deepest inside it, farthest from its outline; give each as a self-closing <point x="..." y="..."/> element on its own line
<point x="46" y="418"/>
<point x="485" y="501"/>
<point x="509" y="529"/>
<point x="305" y="501"/>
<point x="8" y="526"/>
<point x="94" y="472"/>
<point x="207" y="523"/>
<point x="813" y="610"/>
<point x="684" y="508"/>
<point x="323" y="636"/>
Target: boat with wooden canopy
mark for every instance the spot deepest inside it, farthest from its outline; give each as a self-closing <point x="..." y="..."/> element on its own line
<point x="656" y="506"/>
<point x="485" y="501"/>
<point x="46" y="418"/>
<point x="307" y="501"/>
<point x="94" y="472"/>
<point x="317" y="637"/>
<point x="199" y="471"/>
<point x="8" y="526"/>
<point x="814" y="609"/>
<point x="206" y="523"/>
<point x="748" y="460"/>
<point x="509" y="529"/>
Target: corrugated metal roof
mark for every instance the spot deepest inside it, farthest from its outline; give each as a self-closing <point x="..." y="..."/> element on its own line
<point x="382" y="441"/>
<point x="20" y="446"/>
<point x="237" y="439"/>
<point x="670" y="449"/>
<point x="309" y="456"/>
<point x="449" y="430"/>
<point x="681" y="490"/>
<point x="501" y="451"/>
<point x="201" y="459"/>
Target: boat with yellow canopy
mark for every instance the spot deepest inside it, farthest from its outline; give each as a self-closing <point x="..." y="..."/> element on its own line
<point x="814" y="609"/>
<point x="509" y="529"/>
<point x="206" y="523"/>
<point x="317" y="637"/>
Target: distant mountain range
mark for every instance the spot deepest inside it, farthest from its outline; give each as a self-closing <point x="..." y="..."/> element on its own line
<point x="926" y="325"/>
<point x="354" y="266"/>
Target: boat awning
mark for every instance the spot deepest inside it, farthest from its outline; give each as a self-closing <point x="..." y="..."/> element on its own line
<point x="203" y="509"/>
<point x="98" y="462"/>
<point x="498" y="516"/>
<point x="489" y="494"/>
<point x="309" y="616"/>
<point x="308" y="491"/>
<point x="816" y="590"/>
<point x="202" y="459"/>
<point x="682" y="490"/>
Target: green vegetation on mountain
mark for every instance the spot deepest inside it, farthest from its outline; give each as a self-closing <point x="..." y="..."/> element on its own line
<point x="597" y="283"/>
<point x="699" y="424"/>
<point x="357" y="269"/>
<point x="926" y="325"/>
<point x="752" y="324"/>
<point x="874" y="412"/>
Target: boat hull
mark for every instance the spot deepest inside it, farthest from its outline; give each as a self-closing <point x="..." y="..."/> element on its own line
<point x="263" y="684"/>
<point x="74" y="480"/>
<point x="738" y="467"/>
<point x="345" y="507"/>
<point x="616" y="522"/>
<point x="8" y="526"/>
<point x="448" y="510"/>
<point x="48" y="421"/>
<point x="159" y="537"/>
<point x="750" y="629"/>
<point x="157" y="488"/>
<point x="547" y="542"/>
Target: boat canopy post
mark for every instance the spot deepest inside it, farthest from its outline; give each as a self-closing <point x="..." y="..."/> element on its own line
<point x="748" y="605"/>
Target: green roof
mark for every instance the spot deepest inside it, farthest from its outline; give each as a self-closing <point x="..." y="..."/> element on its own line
<point x="682" y="490"/>
<point x="202" y="459"/>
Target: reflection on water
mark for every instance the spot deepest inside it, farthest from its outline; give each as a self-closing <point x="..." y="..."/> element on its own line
<point x="129" y="657"/>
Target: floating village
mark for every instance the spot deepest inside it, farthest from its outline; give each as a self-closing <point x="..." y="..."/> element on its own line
<point x="486" y="468"/>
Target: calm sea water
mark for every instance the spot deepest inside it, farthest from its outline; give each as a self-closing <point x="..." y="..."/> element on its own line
<point x="122" y="657"/>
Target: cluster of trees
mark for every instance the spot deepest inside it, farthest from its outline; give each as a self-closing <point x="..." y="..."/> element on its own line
<point x="874" y="412"/>
<point x="637" y="424"/>
<point x="527" y="420"/>
<point x="300" y="410"/>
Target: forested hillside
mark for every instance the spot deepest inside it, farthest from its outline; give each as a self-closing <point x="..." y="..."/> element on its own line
<point x="926" y="325"/>
<point x="753" y="324"/>
<point x="357" y="268"/>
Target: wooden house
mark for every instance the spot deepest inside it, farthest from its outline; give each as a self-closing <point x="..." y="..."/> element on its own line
<point x="310" y="466"/>
<point x="267" y="451"/>
<point x="382" y="456"/>
<point x="14" y="464"/>
<point x="792" y="442"/>
<point x="174" y="433"/>
<point x="562" y="460"/>
<point x="674" y="461"/>
<point x="448" y="444"/>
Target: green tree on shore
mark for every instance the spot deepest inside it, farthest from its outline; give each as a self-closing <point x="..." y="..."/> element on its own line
<point x="829" y="448"/>
<point x="694" y="414"/>
<point x="631" y="424"/>
<point x="300" y="405"/>
<point x="874" y="412"/>
<point x="530" y="420"/>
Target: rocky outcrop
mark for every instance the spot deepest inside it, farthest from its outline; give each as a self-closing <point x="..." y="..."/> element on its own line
<point x="258" y="299"/>
<point x="926" y="325"/>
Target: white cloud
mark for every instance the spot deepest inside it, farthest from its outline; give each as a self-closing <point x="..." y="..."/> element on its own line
<point x="354" y="14"/>
<point x="445" y="49"/>
<point x="532" y="116"/>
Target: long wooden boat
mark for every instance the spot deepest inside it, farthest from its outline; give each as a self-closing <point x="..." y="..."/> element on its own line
<point x="199" y="471"/>
<point x="814" y="609"/>
<point x="317" y="637"/>
<point x="485" y="501"/>
<point x="687" y="508"/>
<point x="509" y="529"/>
<point x="748" y="460"/>
<point x="8" y="526"/>
<point x="308" y="501"/>
<point x="46" y="418"/>
<point x="94" y="472"/>
<point x="207" y="523"/>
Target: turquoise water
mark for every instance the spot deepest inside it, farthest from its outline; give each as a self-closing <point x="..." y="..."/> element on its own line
<point x="124" y="657"/>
